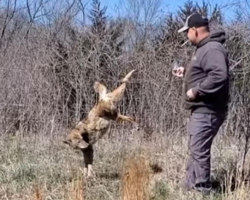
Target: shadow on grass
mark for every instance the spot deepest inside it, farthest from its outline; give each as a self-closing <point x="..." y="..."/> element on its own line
<point x="115" y="175"/>
<point x="110" y="175"/>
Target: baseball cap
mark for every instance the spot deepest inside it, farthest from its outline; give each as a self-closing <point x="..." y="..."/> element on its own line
<point x="194" y="20"/>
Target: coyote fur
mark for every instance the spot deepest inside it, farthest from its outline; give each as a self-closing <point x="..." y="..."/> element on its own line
<point x="88" y="131"/>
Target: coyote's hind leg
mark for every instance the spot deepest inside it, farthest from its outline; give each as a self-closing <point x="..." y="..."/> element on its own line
<point x="118" y="93"/>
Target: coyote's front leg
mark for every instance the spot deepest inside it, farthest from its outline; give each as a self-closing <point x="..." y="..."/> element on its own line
<point x="88" y="155"/>
<point x="125" y="118"/>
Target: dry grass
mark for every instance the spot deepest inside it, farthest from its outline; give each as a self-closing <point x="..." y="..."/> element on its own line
<point x="38" y="194"/>
<point x="76" y="191"/>
<point x="43" y="167"/>
<point x="136" y="178"/>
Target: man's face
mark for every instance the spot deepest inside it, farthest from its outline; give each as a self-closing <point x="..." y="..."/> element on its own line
<point x="192" y="35"/>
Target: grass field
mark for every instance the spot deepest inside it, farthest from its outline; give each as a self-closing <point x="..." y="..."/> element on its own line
<point x="42" y="167"/>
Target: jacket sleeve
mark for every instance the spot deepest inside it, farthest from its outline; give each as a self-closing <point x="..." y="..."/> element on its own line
<point x="214" y="64"/>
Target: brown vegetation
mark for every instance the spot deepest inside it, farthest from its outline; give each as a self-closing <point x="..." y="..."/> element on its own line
<point x="135" y="178"/>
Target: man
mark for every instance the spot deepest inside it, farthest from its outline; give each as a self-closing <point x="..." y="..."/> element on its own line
<point x="205" y="95"/>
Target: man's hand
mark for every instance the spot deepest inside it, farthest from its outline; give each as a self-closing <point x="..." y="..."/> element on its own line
<point x="179" y="72"/>
<point x="191" y="94"/>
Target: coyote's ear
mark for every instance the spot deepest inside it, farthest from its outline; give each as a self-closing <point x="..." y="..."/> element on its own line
<point x="82" y="144"/>
<point x="101" y="89"/>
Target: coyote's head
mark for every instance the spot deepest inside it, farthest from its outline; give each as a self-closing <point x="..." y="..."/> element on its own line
<point x="75" y="137"/>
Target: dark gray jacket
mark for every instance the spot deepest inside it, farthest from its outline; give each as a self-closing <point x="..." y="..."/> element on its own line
<point x="207" y="74"/>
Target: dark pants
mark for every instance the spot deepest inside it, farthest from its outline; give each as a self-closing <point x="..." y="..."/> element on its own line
<point x="202" y="129"/>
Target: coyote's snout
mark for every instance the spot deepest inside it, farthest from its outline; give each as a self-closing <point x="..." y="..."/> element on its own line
<point x="88" y="131"/>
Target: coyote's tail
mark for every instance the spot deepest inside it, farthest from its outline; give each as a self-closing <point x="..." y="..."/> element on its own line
<point x="125" y="79"/>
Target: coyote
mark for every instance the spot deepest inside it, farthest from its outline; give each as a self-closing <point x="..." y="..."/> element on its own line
<point x="89" y="130"/>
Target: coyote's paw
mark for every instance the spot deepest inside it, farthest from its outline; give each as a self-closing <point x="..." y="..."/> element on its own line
<point x="88" y="172"/>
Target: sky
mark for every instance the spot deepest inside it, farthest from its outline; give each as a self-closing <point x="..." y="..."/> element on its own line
<point x="168" y="5"/>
